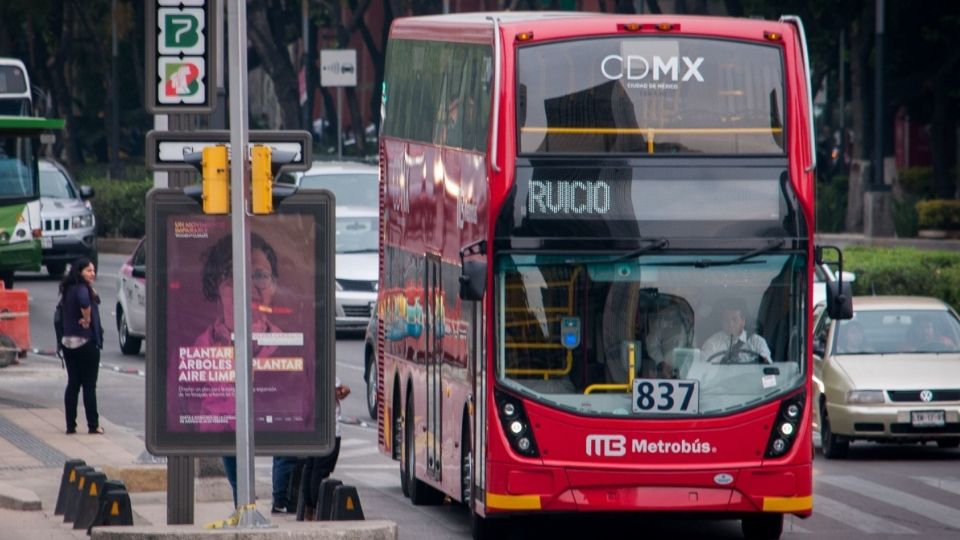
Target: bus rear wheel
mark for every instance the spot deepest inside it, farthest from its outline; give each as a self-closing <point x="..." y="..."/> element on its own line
<point x="762" y="527"/>
<point x="421" y="494"/>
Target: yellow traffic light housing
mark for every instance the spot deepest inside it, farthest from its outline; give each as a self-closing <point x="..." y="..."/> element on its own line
<point x="216" y="180"/>
<point x="261" y="174"/>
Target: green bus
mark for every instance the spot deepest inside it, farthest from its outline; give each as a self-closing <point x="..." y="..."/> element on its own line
<point x="21" y="138"/>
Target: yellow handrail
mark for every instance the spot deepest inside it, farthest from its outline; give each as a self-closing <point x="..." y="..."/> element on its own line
<point x="546" y="373"/>
<point x="631" y="362"/>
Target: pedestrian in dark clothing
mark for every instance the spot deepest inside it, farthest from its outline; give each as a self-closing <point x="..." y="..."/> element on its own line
<point x="82" y="341"/>
<point x="316" y="469"/>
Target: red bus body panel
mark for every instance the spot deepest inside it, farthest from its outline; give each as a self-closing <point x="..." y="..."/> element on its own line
<point x="437" y="200"/>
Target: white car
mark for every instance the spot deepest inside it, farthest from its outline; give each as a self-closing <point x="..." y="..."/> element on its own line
<point x="355" y="187"/>
<point x="69" y="226"/>
<point x="132" y="301"/>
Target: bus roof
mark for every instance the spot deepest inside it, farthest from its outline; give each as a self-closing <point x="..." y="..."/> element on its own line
<point x="30" y="123"/>
<point x="557" y="25"/>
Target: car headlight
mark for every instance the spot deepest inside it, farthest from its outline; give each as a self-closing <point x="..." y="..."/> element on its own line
<point x="82" y="222"/>
<point x="864" y="397"/>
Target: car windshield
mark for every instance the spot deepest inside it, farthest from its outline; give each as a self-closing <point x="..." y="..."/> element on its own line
<point x="349" y="188"/>
<point x="357" y="234"/>
<point x="54" y="185"/>
<point x="898" y="331"/>
<point x="571" y="328"/>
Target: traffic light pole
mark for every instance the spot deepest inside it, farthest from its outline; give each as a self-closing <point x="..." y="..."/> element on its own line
<point x="237" y="60"/>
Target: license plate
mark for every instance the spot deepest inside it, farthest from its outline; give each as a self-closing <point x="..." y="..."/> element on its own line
<point x="46" y="242"/>
<point x="927" y="419"/>
<point x="666" y="396"/>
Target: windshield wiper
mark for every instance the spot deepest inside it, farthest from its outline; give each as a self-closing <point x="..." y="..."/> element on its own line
<point x="653" y="245"/>
<point x="772" y="245"/>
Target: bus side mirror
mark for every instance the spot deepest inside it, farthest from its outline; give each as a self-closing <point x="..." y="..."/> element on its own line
<point x="839" y="300"/>
<point x="473" y="280"/>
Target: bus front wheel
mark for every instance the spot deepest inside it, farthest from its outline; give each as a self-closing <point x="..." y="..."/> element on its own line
<point x="762" y="527"/>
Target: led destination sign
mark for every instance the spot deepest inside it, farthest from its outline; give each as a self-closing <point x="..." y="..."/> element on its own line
<point x="564" y="197"/>
<point x="620" y="196"/>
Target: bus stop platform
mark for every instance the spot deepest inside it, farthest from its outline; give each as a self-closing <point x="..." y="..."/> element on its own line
<point x="34" y="449"/>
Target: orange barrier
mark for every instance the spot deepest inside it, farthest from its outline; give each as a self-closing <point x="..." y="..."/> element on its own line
<point x="14" y="324"/>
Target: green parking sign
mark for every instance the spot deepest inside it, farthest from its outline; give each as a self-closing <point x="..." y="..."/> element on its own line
<point x="181" y="31"/>
<point x="182" y="56"/>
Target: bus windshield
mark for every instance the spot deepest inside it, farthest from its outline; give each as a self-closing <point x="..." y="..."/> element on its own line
<point x="571" y="327"/>
<point x="663" y="95"/>
<point x="18" y="175"/>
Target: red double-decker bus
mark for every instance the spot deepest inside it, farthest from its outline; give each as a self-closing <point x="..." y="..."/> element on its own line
<point x="597" y="256"/>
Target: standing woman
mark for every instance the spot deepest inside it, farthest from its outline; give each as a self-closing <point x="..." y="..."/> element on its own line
<point x="82" y="341"/>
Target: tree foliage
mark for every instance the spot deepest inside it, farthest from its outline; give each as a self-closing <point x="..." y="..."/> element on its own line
<point x="67" y="47"/>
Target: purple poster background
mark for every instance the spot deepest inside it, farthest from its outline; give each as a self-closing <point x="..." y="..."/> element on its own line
<point x="199" y="361"/>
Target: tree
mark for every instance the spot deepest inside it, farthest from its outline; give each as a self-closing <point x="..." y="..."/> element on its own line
<point x="269" y="29"/>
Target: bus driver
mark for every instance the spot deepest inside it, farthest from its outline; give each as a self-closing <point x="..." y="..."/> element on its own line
<point x="732" y="344"/>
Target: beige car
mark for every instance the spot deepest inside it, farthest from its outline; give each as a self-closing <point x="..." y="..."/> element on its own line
<point x="890" y="374"/>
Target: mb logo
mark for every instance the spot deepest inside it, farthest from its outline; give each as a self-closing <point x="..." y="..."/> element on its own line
<point x="606" y="445"/>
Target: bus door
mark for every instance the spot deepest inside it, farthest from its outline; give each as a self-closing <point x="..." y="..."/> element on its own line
<point x="434" y="358"/>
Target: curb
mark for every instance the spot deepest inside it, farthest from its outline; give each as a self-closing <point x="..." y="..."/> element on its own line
<point x="16" y="498"/>
<point x="140" y="478"/>
<point x="297" y="530"/>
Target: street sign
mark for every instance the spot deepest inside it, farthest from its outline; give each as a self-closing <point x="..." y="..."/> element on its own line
<point x="182" y="52"/>
<point x="338" y="67"/>
<point x="165" y="149"/>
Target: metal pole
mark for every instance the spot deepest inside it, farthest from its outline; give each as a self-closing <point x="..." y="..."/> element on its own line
<point x="218" y="120"/>
<point x="339" y="125"/>
<point x="160" y="178"/>
<point x="878" y="102"/>
<point x="306" y="64"/>
<point x="237" y="24"/>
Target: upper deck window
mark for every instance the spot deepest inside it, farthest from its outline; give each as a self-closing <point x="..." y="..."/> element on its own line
<point x="650" y="95"/>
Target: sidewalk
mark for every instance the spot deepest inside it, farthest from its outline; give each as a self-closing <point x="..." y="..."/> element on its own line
<point x="33" y="448"/>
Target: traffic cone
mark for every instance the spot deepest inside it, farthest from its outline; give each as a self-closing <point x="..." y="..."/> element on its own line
<point x="115" y="510"/>
<point x="325" y="498"/>
<point x="109" y="487"/>
<point x="73" y="495"/>
<point x="346" y="504"/>
<point x="89" y="500"/>
<point x="66" y="482"/>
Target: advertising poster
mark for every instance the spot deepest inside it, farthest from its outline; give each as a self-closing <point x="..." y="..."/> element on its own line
<point x="199" y="355"/>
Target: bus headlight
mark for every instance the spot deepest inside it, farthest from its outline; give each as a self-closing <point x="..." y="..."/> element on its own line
<point x="784" y="430"/>
<point x="515" y="424"/>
